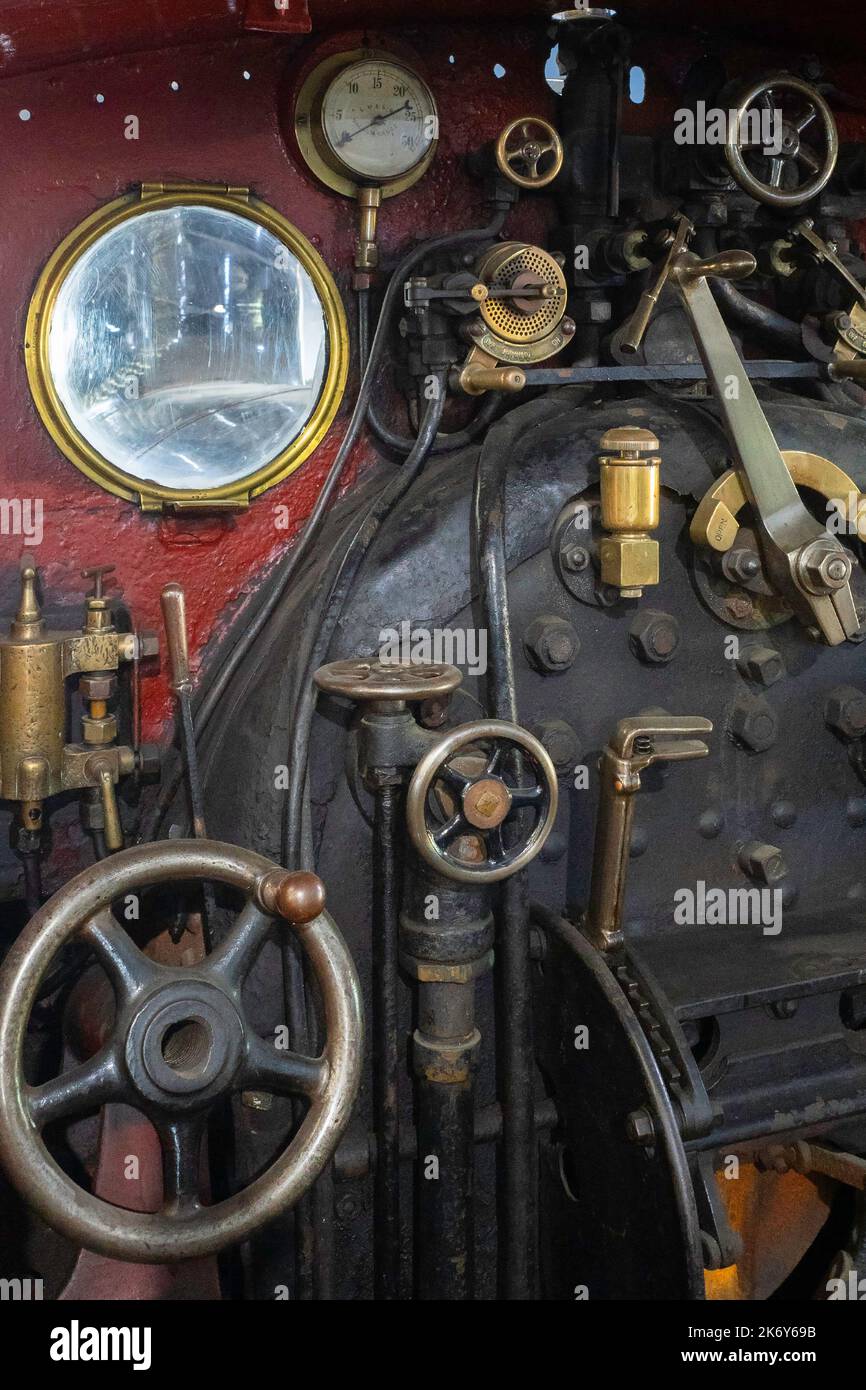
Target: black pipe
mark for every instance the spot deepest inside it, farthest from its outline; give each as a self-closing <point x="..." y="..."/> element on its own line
<point x="748" y="313"/>
<point x="445" y="1255"/>
<point x="320" y="625"/>
<point x="386" y="1058"/>
<point x="514" y="998"/>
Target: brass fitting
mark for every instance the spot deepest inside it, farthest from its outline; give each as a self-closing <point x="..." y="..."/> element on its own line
<point x="630" y="472"/>
<point x="36" y="760"/>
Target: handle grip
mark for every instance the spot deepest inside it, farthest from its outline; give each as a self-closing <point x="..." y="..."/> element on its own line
<point x="173" y="601"/>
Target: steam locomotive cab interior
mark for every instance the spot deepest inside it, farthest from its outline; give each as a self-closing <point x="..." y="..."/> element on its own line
<point x="432" y="691"/>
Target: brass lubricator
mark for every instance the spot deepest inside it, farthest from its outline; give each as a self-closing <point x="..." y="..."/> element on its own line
<point x="36" y="762"/>
<point x="520" y="321"/>
<point x="629" y="472"/>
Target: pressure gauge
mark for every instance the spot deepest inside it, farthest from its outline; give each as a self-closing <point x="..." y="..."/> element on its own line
<point x="379" y="120"/>
<point x="366" y="120"/>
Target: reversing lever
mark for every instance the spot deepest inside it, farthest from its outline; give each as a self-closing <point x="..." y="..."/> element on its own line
<point x="636" y="745"/>
<point x="805" y="563"/>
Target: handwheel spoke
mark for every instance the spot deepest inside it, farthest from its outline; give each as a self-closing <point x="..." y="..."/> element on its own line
<point x="527" y="796"/>
<point x="495" y="844"/>
<point x="494" y="760"/>
<point x="76" y="1092"/>
<point x="234" y="959"/>
<point x="285" y="1073"/>
<point x="181" y="1161"/>
<point x="447" y="832"/>
<point x="807" y="157"/>
<point x="776" y="166"/>
<point x="809" y="115"/>
<point x="127" y="968"/>
<point x="454" y="777"/>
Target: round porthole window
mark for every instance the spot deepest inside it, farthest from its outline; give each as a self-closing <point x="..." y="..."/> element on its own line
<point x="187" y="347"/>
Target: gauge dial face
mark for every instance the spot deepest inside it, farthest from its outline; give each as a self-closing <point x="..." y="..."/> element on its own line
<point x="379" y="119"/>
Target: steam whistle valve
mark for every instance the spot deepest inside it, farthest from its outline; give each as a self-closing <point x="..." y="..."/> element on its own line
<point x="629" y="470"/>
<point x="36" y="760"/>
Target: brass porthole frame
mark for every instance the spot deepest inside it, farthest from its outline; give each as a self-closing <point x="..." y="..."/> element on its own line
<point x="150" y="496"/>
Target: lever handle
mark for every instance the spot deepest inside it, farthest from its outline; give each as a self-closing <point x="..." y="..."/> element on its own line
<point x="173" y="601"/>
<point x="100" y="770"/>
<point x="631" y="734"/>
<point x="725" y="265"/>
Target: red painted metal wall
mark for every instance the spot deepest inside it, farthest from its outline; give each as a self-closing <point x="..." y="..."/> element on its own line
<point x="71" y="156"/>
<point x="201" y="118"/>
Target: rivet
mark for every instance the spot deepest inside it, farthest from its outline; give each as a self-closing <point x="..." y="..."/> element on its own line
<point x="710" y="824"/>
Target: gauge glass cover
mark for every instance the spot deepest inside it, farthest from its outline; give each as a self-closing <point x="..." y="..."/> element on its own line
<point x="379" y="119"/>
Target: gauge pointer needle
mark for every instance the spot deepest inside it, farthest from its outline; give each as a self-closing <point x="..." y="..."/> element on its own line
<point x="377" y="120"/>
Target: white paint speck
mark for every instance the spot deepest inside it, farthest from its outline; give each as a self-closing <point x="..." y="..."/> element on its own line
<point x="24" y="114"/>
<point x="175" y="86"/>
<point x="99" y="98"/>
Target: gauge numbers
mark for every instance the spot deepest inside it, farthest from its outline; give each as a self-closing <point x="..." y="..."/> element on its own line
<point x="379" y="120"/>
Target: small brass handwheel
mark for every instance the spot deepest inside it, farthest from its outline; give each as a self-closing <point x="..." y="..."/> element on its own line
<point x="463" y="803"/>
<point x="529" y="152"/>
<point x="372" y="679"/>
<point x="181" y="1042"/>
<point x="798" y="154"/>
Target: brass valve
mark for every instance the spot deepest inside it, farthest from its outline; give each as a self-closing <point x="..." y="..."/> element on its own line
<point x="629" y="470"/>
<point x="36" y="761"/>
<point x="521" y="292"/>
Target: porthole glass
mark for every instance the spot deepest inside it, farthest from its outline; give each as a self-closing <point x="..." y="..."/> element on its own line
<point x="193" y="350"/>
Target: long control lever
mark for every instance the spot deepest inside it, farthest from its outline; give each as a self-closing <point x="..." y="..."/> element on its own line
<point x="806" y="565"/>
<point x="173" y="601"/>
<point x="636" y="745"/>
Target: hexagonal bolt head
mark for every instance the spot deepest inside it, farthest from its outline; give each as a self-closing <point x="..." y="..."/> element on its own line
<point x="148" y="762"/>
<point x="639" y="1127"/>
<point x="148" y="644"/>
<point x="560" y="740"/>
<point x="845" y="711"/>
<point x="823" y="567"/>
<point x="99" y="731"/>
<point x="753" y="723"/>
<point x="98" y="687"/>
<point x="763" y="665"/>
<point x="764" y="863"/>
<point x="551" y="644"/>
<point x="654" y="637"/>
<point x="575" y="558"/>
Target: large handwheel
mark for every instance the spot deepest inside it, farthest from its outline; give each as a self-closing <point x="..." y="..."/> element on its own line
<point x="180" y="1043"/>
<point x="811" y="163"/>
<point x="451" y="808"/>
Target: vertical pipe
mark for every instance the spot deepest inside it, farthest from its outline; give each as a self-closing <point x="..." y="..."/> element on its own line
<point x="445" y="1042"/>
<point x="386" y="1060"/>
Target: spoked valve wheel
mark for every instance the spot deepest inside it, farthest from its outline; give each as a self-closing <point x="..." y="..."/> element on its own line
<point x="795" y="169"/>
<point x="463" y="801"/>
<point x="529" y="152"/>
<point x="180" y="1043"/>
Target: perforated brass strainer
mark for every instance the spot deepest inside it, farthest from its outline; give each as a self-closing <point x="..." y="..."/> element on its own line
<point x="527" y="317"/>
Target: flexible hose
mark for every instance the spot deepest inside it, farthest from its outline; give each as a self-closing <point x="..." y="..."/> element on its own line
<point x="319" y="626"/>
